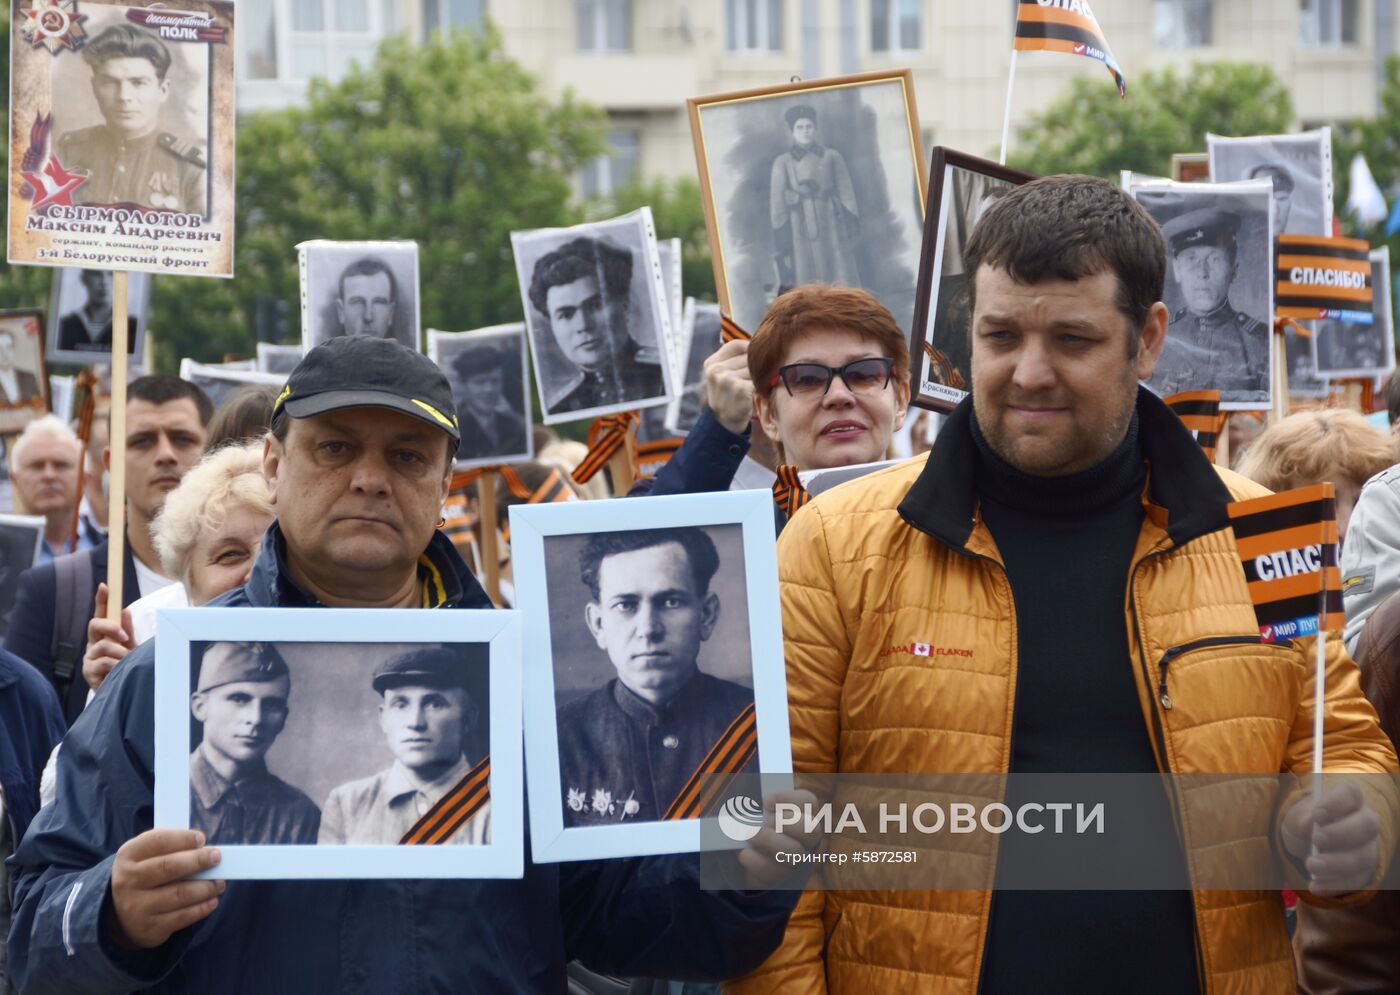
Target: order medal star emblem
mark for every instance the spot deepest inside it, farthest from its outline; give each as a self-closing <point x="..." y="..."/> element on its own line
<point x="54" y="24"/>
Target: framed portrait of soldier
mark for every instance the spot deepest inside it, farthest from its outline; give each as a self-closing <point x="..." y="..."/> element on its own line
<point x="359" y="749"/>
<point x="1219" y="290"/>
<point x="820" y="181"/>
<point x="80" y="316"/>
<point x="21" y="537"/>
<point x="699" y="338"/>
<point x="940" y="346"/>
<point x="220" y="383"/>
<point x="1299" y="166"/>
<point x="654" y="667"/>
<point x="122" y="136"/>
<point x="1344" y="349"/>
<point x="282" y="359"/>
<point x="596" y="315"/>
<point x="359" y="288"/>
<point x="24" y="379"/>
<point x="488" y="371"/>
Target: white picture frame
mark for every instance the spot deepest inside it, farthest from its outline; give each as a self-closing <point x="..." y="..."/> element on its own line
<point x="219" y="381"/>
<point x="327" y="266"/>
<point x="508" y="341"/>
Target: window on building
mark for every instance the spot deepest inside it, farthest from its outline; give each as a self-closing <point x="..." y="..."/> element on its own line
<point x="615" y="168"/>
<point x="1327" y="22"/>
<point x="604" y="25"/>
<point x="451" y="14"/>
<point x="896" y="25"/>
<point x="327" y="35"/>
<point x="754" y="25"/>
<point x="256" y="40"/>
<point x="1181" y="23"/>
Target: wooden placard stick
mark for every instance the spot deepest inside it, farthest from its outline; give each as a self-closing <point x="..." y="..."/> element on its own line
<point x="116" y="443"/>
<point x="622" y="465"/>
<point x="489" y="516"/>
<point x="1222" y="441"/>
<point x="1278" y="372"/>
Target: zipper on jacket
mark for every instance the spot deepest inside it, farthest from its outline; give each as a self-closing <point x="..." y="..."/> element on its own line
<point x="1195" y="644"/>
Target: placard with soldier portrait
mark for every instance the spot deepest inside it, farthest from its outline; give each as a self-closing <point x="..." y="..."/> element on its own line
<point x="122" y="136"/>
<point x="819" y="181"/>
<point x="1219" y="290"/>
<point x="274" y="358"/>
<point x="80" y="316"/>
<point x="359" y="288"/>
<point x="1349" y="349"/>
<point x="1299" y="166"/>
<point x="487" y="370"/>
<point x="940" y="347"/>
<point x="597" y="317"/>
<point x="21" y="538"/>
<point x="306" y="745"/>
<point x="699" y="338"/>
<point x="24" y="379"/>
<point x="655" y="667"/>
<point x="220" y="382"/>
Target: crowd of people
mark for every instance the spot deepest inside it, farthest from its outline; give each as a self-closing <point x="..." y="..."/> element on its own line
<point x="1065" y="535"/>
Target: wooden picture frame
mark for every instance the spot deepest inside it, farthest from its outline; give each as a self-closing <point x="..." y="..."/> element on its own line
<point x="26" y="328"/>
<point x="1191" y="167"/>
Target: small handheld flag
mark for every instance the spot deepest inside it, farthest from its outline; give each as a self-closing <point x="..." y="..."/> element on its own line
<point x="1199" y="411"/>
<point x="1067" y="26"/>
<point x="1323" y="278"/>
<point x="788" y="492"/>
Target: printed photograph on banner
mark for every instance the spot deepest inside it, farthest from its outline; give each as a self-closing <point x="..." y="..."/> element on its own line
<point x="1191" y="167"/>
<point x="122" y="136"/>
<point x="1348" y="349"/>
<point x="359" y="288"/>
<point x="668" y="250"/>
<point x="323" y="745"/>
<point x="1219" y="291"/>
<point x="61" y="391"/>
<point x="21" y="538"/>
<point x="488" y="372"/>
<point x="1300" y="167"/>
<point x="699" y="338"/>
<point x="963" y="187"/>
<point x="1303" y="378"/>
<point x="596" y="315"/>
<point x="221" y="383"/>
<point x="281" y="359"/>
<point x="820" y="181"/>
<point x="80" y="316"/>
<point x="653" y="676"/>
<point x="24" y="379"/>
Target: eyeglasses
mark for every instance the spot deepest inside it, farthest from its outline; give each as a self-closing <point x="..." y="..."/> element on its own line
<point x="861" y="376"/>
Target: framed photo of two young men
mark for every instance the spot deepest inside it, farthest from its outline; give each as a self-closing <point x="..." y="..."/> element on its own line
<point x="341" y="744"/>
<point x="655" y="672"/>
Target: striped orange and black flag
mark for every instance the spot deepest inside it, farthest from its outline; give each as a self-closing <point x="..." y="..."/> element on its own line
<point x="1288" y="545"/>
<point x="732" y="752"/>
<point x="551" y="490"/>
<point x="1199" y="411"/>
<point x="730" y="330"/>
<point x="788" y="492"/>
<point x="606" y="436"/>
<point x="1067" y="26"/>
<point x="1321" y="277"/>
<point x="454" y="809"/>
<point x="653" y="455"/>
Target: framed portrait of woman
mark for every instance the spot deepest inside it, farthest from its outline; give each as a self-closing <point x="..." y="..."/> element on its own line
<point x="820" y="181"/>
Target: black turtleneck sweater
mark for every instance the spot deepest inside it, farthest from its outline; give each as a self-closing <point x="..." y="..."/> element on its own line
<point x="1067" y="543"/>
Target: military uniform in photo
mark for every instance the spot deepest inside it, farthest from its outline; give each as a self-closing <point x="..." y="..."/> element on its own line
<point x="625" y="378"/>
<point x="158" y="170"/>
<point x="503" y="433"/>
<point x="1224" y="348"/>
<point x="624" y="760"/>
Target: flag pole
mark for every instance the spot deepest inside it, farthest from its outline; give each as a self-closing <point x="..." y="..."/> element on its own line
<point x="116" y="443"/>
<point x="1006" y="118"/>
<point x="1319" y="687"/>
<point x="489" y="519"/>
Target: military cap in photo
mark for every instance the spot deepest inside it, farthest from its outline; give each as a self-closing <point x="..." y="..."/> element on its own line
<point x="235" y="663"/>
<point x="365" y="371"/>
<point x="1282" y="175"/>
<point x="1207" y="226"/>
<point x="477" y="359"/>
<point x="433" y="667"/>
<point x="795" y="114"/>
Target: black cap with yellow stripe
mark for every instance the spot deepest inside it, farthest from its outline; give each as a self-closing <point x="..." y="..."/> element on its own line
<point x="363" y="371"/>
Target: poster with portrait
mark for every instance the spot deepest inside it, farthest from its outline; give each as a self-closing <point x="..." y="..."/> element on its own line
<point x="1346" y="349"/>
<point x="61" y="391"/>
<point x="633" y="735"/>
<point x="373" y="757"/>
<point x="21" y="538"/>
<point x="1191" y="167"/>
<point x="359" y="288"/>
<point x="1299" y="166"/>
<point x="699" y="339"/>
<point x="122" y="136"/>
<point x="80" y="317"/>
<point x="820" y="181"/>
<point x="1219" y="291"/>
<point x="273" y="358"/>
<point x="488" y="371"/>
<point x="221" y="383"/>
<point x="24" y="379"/>
<point x="668" y="250"/>
<point x="940" y="346"/>
<point x="596" y="315"/>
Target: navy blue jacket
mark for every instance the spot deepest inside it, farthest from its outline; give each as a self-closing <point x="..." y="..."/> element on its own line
<point x="30" y="726"/>
<point x="706" y="461"/>
<point x="30" y="636"/>
<point x="642" y="917"/>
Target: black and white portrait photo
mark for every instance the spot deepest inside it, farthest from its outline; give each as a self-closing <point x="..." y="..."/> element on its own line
<point x="486" y="369"/>
<point x="359" y="288"/>
<point x="1219" y="291"/>
<point x="964" y="187"/>
<point x="1303" y="379"/>
<point x="21" y="537"/>
<point x="220" y="383"/>
<point x="699" y="338"/>
<point x="1300" y="167"/>
<point x="273" y="358"/>
<point x="135" y="117"/>
<point x="813" y="182"/>
<point x="80" y="316"/>
<point x="1349" y="349"/>
<point x="24" y="379"/>
<point x="597" y="317"/>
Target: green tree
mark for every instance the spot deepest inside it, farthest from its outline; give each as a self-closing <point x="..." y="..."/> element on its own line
<point x="1090" y="130"/>
<point x="677" y="211"/>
